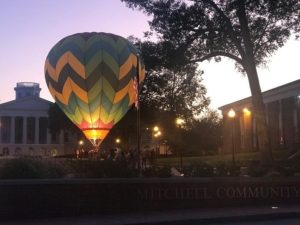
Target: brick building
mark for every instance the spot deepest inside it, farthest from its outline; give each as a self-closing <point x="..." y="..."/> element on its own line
<point x="282" y="106"/>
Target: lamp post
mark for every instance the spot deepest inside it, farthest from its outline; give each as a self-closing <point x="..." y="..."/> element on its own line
<point x="179" y="123"/>
<point x="231" y="115"/>
<point x="80" y="150"/>
<point x="156" y="134"/>
<point x="118" y="141"/>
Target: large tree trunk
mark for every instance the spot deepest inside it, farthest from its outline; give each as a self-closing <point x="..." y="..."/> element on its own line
<point x="259" y="114"/>
<point x="257" y="99"/>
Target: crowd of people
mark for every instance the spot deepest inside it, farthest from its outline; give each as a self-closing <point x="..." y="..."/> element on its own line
<point x="131" y="156"/>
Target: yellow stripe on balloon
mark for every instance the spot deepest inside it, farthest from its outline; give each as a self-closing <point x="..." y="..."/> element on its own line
<point x="78" y="116"/>
<point x="66" y="58"/>
<point x="95" y="115"/>
<point x="96" y="133"/>
<point x="120" y="94"/>
<point x="112" y="116"/>
<point x="76" y="65"/>
<point x="85" y="115"/>
<point x="103" y="115"/>
<point x="69" y="87"/>
<point x="63" y="98"/>
<point x="78" y="91"/>
<point x="126" y="66"/>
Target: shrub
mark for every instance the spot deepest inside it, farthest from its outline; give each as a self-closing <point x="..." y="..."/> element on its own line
<point x="157" y="171"/>
<point x="30" y="168"/>
<point x="227" y="169"/>
<point x="101" y="169"/>
<point x="199" y="169"/>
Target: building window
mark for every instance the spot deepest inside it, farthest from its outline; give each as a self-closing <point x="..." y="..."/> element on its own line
<point x="66" y="137"/>
<point x="43" y="124"/>
<point x="54" y="138"/>
<point x="30" y="130"/>
<point x="18" y="130"/>
<point x="5" y="129"/>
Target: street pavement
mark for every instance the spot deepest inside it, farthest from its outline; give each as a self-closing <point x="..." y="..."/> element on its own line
<point x="270" y="222"/>
<point x="268" y="215"/>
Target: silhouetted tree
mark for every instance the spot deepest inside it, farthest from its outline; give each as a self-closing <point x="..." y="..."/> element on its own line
<point x="58" y="121"/>
<point x="246" y="31"/>
<point x="204" y="135"/>
<point x="169" y="86"/>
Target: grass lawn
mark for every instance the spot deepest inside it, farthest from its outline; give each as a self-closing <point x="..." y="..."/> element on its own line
<point x="215" y="159"/>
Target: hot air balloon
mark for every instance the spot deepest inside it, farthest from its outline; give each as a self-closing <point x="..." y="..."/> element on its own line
<point x="92" y="77"/>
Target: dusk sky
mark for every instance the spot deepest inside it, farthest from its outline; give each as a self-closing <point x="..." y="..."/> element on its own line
<point x="30" y="28"/>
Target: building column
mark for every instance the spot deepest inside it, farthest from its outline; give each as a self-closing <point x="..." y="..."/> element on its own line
<point x="48" y="137"/>
<point x="281" y="141"/>
<point x="242" y="128"/>
<point x="37" y="130"/>
<point x="61" y="137"/>
<point x="24" y="138"/>
<point x="295" y="121"/>
<point x="254" y="144"/>
<point x="12" y="130"/>
<point x="0" y="130"/>
<point x="267" y="113"/>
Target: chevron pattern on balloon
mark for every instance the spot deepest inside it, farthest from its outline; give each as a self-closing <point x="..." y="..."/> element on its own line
<point x="91" y="77"/>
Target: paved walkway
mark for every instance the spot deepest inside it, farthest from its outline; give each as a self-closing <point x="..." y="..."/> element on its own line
<point x="241" y="215"/>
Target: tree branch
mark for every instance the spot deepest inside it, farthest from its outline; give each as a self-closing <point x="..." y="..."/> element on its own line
<point x="218" y="53"/>
<point x="258" y="45"/>
<point x="229" y="26"/>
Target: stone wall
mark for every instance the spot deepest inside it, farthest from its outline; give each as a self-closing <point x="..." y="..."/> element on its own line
<point x="49" y="198"/>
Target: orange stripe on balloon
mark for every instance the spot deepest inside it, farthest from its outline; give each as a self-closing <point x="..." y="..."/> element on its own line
<point x="132" y="93"/>
<point x="126" y="66"/>
<point x="66" y="58"/>
<point x="60" y="97"/>
<point x="51" y="70"/>
<point x="76" y="65"/>
<point x="120" y="94"/>
<point x="80" y="93"/>
<point x="69" y="87"/>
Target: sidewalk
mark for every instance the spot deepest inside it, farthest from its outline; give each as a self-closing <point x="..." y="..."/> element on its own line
<point x="176" y="217"/>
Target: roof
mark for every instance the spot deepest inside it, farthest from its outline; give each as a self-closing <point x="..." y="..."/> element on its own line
<point x="285" y="91"/>
<point x="26" y="103"/>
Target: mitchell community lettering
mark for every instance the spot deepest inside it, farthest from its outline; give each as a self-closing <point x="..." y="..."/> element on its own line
<point x="262" y="192"/>
<point x="205" y="193"/>
<point x="190" y="193"/>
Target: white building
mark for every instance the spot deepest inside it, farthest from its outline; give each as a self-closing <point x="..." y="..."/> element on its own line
<point x="23" y="126"/>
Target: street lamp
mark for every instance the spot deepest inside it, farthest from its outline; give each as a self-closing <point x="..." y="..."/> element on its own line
<point x="231" y="115"/>
<point x="179" y="123"/>
<point x="80" y="143"/>
<point x="118" y="141"/>
<point x="246" y="112"/>
<point x="157" y="133"/>
<point x="79" y="151"/>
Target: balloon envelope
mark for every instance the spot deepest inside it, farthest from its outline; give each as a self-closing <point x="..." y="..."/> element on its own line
<point x="92" y="77"/>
